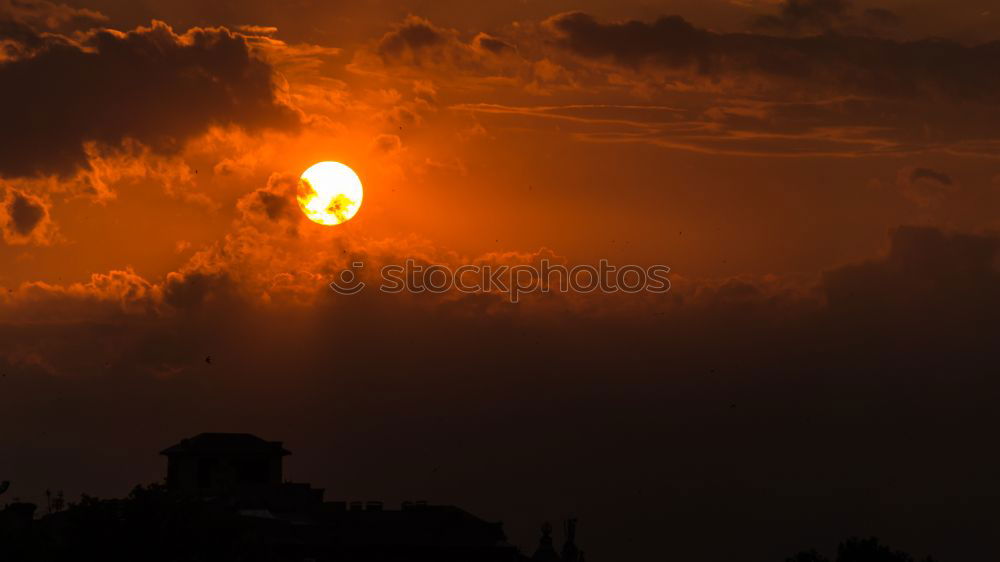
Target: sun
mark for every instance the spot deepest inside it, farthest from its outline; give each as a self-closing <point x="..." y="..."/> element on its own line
<point x="329" y="193"/>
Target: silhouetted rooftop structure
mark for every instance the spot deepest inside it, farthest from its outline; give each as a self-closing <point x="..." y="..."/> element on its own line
<point x="212" y="463"/>
<point x="226" y="494"/>
<point x="244" y="474"/>
<point x="226" y="444"/>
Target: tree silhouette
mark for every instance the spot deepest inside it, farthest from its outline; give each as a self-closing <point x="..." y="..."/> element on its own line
<point x="808" y="556"/>
<point x="870" y="550"/>
<point x="150" y="524"/>
<point x="858" y="550"/>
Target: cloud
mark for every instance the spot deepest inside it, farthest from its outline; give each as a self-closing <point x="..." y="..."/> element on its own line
<point x="196" y="289"/>
<point x="150" y="85"/>
<point x="812" y="15"/>
<point x="24" y="214"/>
<point x="932" y="284"/>
<point x="274" y="203"/>
<point x="492" y="44"/>
<point x="273" y="259"/>
<point x="843" y="127"/>
<point x="26" y="16"/>
<point x="109" y="296"/>
<point x="387" y="143"/>
<point x="262" y="30"/>
<point x="419" y="42"/>
<point x="924" y="186"/>
<point x="796" y="17"/>
<point x="929" y="174"/>
<point x="932" y="69"/>
<point x="418" y="49"/>
<point x="24" y="218"/>
<point x="411" y="39"/>
<point x="833" y="95"/>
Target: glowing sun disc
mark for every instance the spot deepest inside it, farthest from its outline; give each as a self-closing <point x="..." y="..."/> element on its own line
<point x="329" y="193"/>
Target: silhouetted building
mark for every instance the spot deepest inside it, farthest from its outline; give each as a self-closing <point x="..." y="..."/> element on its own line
<point x="243" y="474"/>
<point x="226" y="499"/>
<point x="214" y="463"/>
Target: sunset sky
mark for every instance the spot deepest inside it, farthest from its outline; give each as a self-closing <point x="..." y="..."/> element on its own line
<point x="821" y="176"/>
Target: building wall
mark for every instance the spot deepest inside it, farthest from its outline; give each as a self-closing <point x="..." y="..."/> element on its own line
<point x="182" y="474"/>
<point x="214" y="474"/>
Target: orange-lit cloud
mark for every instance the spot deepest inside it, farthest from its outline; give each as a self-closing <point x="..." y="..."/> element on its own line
<point x="25" y="218"/>
<point x="150" y="84"/>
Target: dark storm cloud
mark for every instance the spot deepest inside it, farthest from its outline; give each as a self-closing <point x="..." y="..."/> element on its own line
<point x="150" y="84"/>
<point x="929" y="69"/>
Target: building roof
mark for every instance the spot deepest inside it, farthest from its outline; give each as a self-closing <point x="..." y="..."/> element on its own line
<point x="226" y="444"/>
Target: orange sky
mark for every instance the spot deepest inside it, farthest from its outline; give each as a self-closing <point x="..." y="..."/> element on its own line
<point x="820" y="175"/>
